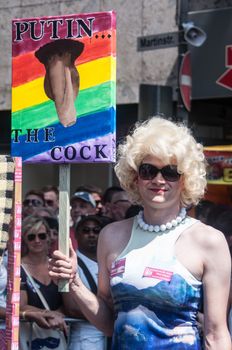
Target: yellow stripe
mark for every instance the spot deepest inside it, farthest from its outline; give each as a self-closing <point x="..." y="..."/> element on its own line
<point x="92" y="73"/>
<point x="223" y="148"/>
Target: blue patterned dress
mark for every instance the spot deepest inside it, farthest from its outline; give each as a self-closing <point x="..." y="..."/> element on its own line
<point x="155" y="297"/>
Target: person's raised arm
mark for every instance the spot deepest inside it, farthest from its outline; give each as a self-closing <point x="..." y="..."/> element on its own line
<point x="216" y="283"/>
<point x="96" y="309"/>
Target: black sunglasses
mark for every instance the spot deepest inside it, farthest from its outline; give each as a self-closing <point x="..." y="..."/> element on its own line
<point x="49" y="202"/>
<point x="87" y="229"/>
<point x="42" y="236"/>
<point x="149" y="172"/>
<point x="33" y="202"/>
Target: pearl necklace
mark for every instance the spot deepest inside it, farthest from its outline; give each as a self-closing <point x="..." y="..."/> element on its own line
<point x="157" y="228"/>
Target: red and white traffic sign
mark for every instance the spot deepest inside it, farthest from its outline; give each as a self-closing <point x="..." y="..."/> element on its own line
<point x="225" y="79"/>
<point x="185" y="80"/>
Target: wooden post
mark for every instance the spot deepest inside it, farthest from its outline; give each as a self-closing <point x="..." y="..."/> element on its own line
<point x="64" y="215"/>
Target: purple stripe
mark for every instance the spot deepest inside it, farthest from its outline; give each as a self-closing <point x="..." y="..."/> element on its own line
<point x="99" y="150"/>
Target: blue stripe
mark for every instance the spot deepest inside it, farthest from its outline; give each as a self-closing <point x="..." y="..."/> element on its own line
<point x="88" y="127"/>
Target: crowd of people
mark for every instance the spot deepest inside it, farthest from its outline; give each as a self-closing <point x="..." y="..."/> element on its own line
<point x="90" y="210"/>
<point x="155" y="278"/>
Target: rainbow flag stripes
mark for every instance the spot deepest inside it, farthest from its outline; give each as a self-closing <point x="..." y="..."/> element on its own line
<point x="64" y="88"/>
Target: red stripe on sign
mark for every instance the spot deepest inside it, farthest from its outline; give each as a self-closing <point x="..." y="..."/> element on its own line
<point x="93" y="49"/>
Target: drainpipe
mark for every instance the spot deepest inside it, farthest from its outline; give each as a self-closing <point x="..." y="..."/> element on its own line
<point x="182" y="114"/>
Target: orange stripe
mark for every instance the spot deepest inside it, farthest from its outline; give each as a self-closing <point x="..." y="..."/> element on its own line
<point x="27" y="68"/>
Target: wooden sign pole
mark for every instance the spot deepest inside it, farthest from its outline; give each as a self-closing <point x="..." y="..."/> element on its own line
<point x="64" y="215"/>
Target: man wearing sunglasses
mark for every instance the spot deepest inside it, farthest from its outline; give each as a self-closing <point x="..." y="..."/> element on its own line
<point x="82" y="203"/>
<point x="84" y="336"/>
<point x="33" y="199"/>
<point x="158" y="268"/>
<point x="51" y="197"/>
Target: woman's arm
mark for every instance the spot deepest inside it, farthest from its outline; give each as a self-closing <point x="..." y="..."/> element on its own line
<point x="32" y="313"/>
<point x="44" y="318"/>
<point x="216" y="284"/>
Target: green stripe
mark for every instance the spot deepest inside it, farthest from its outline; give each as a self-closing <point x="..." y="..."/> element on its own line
<point x="90" y="100"/>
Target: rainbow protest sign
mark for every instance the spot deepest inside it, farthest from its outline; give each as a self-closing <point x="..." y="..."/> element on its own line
<point x="63" y="88"/>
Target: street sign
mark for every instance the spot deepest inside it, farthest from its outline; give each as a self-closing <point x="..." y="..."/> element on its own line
<point x="185" y="81"/>
<point x="225" y="79"/>
<point x="159" y="41"/>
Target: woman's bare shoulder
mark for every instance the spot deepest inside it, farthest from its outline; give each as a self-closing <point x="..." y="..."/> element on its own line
<point x="115" y="236"/>
<point x="117" y="228"/>
<point x="113" y="239"/>
<point x="207" y="236"/>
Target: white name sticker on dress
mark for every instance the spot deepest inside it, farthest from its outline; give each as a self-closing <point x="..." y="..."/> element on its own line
<point x="118" y="267"/>
<point x="159" y="274"/>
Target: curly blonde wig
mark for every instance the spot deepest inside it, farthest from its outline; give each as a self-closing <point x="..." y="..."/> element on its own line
<point x="171" y="143"/>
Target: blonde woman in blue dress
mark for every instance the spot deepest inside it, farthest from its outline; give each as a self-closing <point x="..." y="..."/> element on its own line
<point x="158" y="269"/>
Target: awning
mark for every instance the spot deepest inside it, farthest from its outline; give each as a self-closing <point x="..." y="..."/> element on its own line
<point x="219" y="160"/>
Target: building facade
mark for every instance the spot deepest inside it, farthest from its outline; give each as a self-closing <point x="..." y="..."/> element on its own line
<point x="158" y="67"/>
